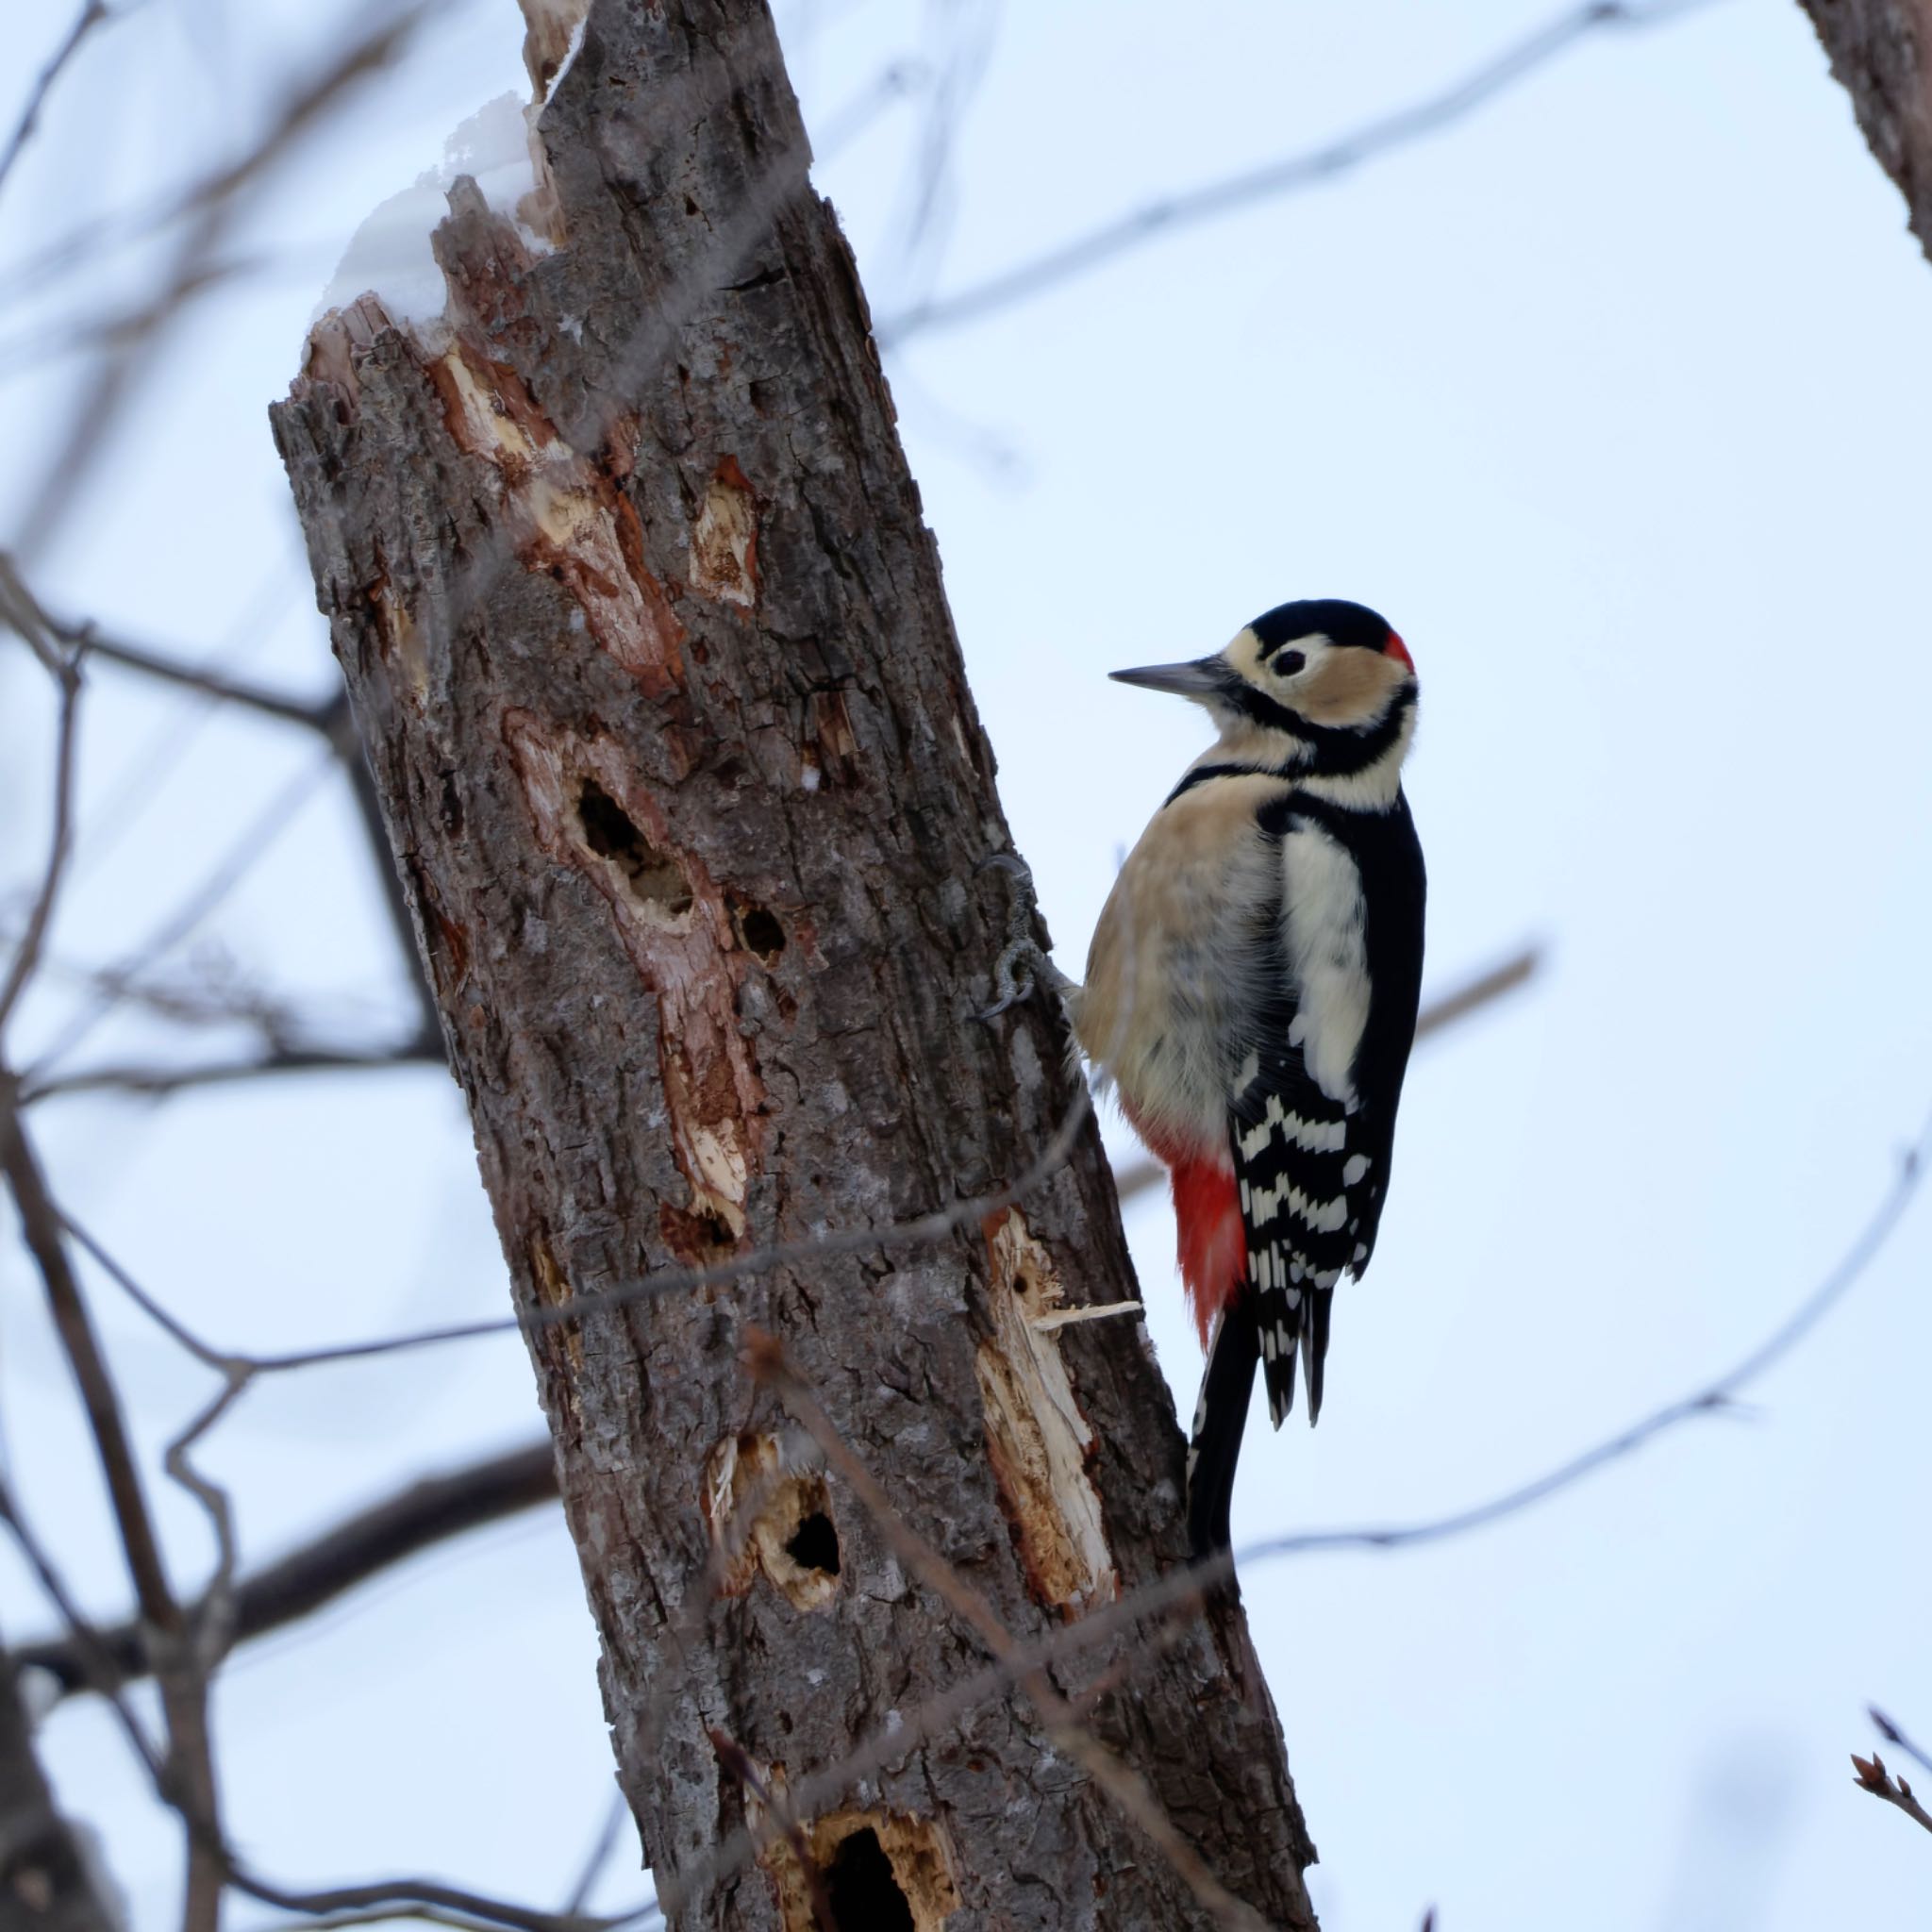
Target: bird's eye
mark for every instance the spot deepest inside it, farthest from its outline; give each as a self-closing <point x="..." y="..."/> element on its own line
<point x="1289" y="663"/>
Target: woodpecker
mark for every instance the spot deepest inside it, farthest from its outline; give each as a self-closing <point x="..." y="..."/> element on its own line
<point x="1251" y="994"/>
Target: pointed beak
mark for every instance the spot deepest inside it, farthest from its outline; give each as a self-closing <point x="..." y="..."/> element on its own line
<point x="1200" y="679"/>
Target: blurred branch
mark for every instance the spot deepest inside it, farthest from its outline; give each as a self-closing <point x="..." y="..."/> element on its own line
<point x="40" y="1227"/>
<point x="1892" y="1734"/>
<point x="921" y="1231"/>
<point x="90" y="1649"/>
<point x="89" y="17"/>
<point x="157" y="1082"/>
<point x="605" y="1842"/>
<point x="326" y="718"/>
<point x="428" y="1512"/>
<point x="47" y="1879"/>
<point x="330" y="719"/>
<point x="1518" y="969"/>
<point x="189" y="1776"/>
<point x="27" y="951"/>
<point x="212" y="205"/>
<point x="247" y="851"/>
<point x="1288" y="175"/>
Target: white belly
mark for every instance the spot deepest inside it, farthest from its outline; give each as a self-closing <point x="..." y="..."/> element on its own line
<point x="1176" y="962"/>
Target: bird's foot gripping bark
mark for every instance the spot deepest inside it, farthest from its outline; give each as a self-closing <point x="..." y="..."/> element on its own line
<point x="1023" y="965"/>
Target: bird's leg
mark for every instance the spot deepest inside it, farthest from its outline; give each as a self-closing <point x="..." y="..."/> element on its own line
<point x="1021" y="966"/>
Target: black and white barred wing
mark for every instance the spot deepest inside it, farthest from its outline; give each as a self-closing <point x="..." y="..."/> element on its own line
<point x="1291" y="1162"/>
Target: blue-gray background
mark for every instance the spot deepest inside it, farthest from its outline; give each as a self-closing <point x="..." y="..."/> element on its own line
<point x="1614" y="397"/>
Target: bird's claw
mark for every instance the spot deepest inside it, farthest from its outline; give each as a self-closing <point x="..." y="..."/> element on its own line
<point x="1015" y="972"/>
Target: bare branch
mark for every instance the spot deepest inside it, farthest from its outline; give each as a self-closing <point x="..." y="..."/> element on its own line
<point x="92" y="1652"/>
<point x="41" y="1225"/>
<point x="89" y="17"/>
<point x="614" y="1815"/>
<point x="327" y="718"/>
<point x="27" y="951"/>
<point x="921" y="1231"/>
<point x="212" y="205"/>
<point x="428" y="1512"/>
<point x="229" y="870"/>
<point x="159" y="1082"/>
<point x="1290" y="175"/>
<point x="333" y="1901"/>
<point x="190" y="1777"/>
<point x="1869" y="1774"/>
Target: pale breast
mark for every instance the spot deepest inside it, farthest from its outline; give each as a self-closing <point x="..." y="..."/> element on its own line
<point x="1176" y="957"/>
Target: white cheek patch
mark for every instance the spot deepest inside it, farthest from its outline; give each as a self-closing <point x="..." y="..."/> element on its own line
<point x="1323" y="919"/>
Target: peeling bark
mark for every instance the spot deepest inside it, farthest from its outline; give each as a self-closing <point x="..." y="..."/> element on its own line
<point x="648" y="646"/>
<point x="1881" y="53"/>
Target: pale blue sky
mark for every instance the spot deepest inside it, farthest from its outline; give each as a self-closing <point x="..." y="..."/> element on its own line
<point x="1614" y="399"/>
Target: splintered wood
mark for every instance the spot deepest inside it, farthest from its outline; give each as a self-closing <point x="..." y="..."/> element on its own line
<point x="1037" y="1438"/>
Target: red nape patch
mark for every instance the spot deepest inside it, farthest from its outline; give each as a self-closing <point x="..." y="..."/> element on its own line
<point x="1396" y="648"/>
<point x="1212" y="1250"/>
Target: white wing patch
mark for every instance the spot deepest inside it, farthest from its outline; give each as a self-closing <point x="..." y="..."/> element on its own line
<point x="1323" y="921"/>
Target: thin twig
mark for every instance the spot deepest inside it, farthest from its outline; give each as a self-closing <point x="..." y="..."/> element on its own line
<point x="91" y="1650"/>
<point x="1869" y="1774"/>
<point x="41" y="1225"/>
<point x="26" y="952"/>
<point x="1294" y="173"/>
<point x="923" y="1230"/>
<point x="190" y="1772"/>
<point x="323" y="717"/>
<point x="158" y="1083"/>
<point x="418" y="1517"/>
<point x="604" y="1842"/>
<point x="737" y="1763"/>
<point x="89" y="17"/>
<point x="221" y="878"/>
<point x="214" y="204"/>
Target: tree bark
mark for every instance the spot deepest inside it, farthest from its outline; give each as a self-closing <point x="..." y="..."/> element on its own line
<point x="47" y="1881"/>
<point x="648" y="646"/>
<point x="1881" y="51"/>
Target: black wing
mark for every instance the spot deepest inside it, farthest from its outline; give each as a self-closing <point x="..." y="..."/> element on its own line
<point x="1312" y="1172"/>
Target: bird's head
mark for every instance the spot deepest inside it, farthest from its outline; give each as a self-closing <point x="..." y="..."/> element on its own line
<point x="1330" y="675"/>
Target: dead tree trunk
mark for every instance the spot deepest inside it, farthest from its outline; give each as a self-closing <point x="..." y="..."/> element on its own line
<point x="649" y="651"/>
<point x="1881" y="51"/>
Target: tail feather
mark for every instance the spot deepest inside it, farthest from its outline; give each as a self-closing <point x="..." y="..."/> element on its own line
<point x="1294" y="1325"/>
<point x="1220" y="1417"/>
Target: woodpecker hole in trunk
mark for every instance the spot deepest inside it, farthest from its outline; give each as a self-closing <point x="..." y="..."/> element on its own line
<point x="610" y="833"/>
<point x="879" y="1870"/>
<point x="861" y="1889"/>
<point x="815" y="1546"/>
<point x="765" y="1520"/>
<point x="761" y="934"/>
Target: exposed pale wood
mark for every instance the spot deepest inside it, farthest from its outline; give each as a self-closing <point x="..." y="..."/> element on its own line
<point x="649" y="647"/>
